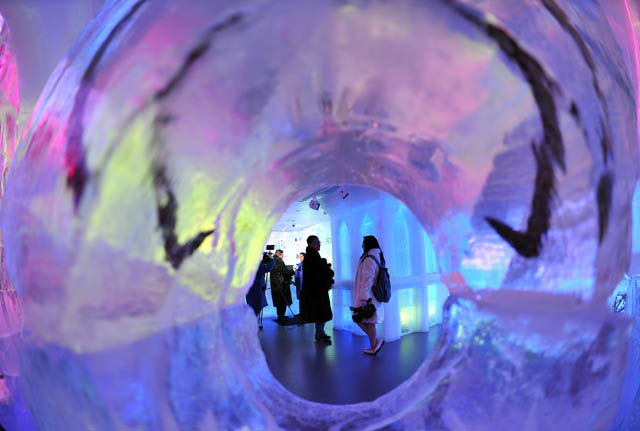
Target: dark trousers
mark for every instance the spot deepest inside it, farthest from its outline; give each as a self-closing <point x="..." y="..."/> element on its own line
<point x="320" y="329"/>
<point x="282" y="309"/>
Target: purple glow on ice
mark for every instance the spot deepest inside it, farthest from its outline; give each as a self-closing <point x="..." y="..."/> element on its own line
<point x="172" y="136"/>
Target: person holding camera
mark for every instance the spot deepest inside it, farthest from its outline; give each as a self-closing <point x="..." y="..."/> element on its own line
<point x="363" y="298"/>
<point x="314" y="297"/>
<point x="280" y="286"/>
<point x="256" y="298"/>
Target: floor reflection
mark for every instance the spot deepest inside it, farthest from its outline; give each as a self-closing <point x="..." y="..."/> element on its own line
<point x="340" y="373"/>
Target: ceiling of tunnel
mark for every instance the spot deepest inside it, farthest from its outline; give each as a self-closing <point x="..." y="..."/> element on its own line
<point x="299" y="215"/>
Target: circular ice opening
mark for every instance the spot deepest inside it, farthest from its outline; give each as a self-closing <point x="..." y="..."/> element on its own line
<point x="157" y="161"/>
<point x="340" y="372"/>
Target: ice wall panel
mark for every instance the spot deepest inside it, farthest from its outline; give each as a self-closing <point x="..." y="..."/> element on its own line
<point x="9" y="110"/>
<point x="11" y="306"/>
<point x="409" y="258"/>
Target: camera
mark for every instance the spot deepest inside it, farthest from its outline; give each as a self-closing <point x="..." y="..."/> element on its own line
<point x="314" y="204"/>
<point x="363" y="312"/>
<point x="268" y="254"/>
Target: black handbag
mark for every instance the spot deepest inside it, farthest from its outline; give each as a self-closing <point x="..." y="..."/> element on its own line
<point x="365" y="311"/>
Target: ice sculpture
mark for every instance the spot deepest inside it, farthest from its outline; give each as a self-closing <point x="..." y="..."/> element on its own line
<point x="174" y="133"/>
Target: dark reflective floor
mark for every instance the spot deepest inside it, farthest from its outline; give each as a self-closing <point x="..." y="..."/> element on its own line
<point x="340" y="373"/>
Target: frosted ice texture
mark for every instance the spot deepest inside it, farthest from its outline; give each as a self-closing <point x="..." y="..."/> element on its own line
<point x="508" y="128"/>
<point x="11" y="317"/>
<point x="12" y="409"/>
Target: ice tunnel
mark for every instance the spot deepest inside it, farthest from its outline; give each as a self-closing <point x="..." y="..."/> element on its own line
<point x="172" y="136"/>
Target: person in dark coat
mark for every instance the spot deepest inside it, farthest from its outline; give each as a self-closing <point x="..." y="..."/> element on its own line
<point x="281" y="286"/>
<point x="256" y="298"/>
<point x="318" y="279"/>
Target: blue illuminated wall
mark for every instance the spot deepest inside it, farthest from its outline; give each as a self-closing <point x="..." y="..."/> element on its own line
<point x="418" y="294"/>
<point x="344" y="250"/>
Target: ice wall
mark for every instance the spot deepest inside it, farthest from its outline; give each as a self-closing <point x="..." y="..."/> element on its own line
<point x="418" y="291"/>
<point x="172" y="136"/>
<point x="14" y="412"/>
<point x="10" y="303"/>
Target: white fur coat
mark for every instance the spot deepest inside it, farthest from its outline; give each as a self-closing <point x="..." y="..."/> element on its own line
<point x="366" y="275"/>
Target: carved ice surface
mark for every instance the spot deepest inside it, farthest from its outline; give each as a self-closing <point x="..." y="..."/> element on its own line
<point x="10" y="302"/>
<point x="14" y="412"/>
<point x="174" y="134"/>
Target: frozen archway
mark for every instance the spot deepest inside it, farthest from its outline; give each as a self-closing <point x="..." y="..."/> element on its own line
<point x="170" y="140"/>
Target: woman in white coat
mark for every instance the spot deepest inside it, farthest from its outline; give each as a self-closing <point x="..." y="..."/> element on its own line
<point x="366" y="276"/>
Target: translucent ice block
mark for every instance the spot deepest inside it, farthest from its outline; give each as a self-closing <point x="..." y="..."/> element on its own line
<point x="11" y="311"/>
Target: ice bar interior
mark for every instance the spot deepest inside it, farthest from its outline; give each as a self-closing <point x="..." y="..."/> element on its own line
<point x="495" y="141"/>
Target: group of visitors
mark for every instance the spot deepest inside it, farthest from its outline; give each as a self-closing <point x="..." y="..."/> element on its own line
<point x="313" y="279"/>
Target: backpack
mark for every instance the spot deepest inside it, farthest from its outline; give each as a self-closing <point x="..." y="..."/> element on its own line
<point x="382" y="287"/>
